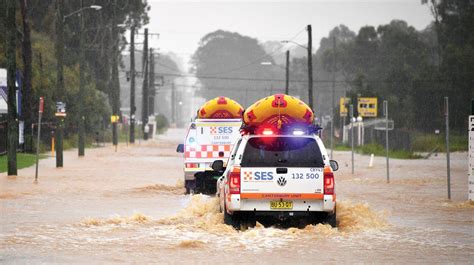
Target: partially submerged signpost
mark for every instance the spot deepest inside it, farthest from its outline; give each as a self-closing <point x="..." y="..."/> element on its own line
<point x="40" y="114"/>
<point x="386" y="126"/>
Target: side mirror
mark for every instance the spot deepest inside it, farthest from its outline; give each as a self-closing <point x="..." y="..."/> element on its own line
<point x="334" y="165"/>
<point x="217" y="165"/>
<point x="180" y="148"/>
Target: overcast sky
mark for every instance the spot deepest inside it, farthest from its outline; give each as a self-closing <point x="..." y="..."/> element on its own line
<point x="182" y="23"/>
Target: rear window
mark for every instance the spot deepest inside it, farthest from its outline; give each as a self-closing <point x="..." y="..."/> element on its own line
<point x="282" y="152"/>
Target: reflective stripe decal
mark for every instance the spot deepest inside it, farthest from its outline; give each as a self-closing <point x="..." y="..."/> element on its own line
<point x="294" y="196"/>
<point x="207" y="151"/>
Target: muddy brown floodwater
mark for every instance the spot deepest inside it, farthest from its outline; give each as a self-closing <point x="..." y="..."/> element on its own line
<point x="128" y="207"/>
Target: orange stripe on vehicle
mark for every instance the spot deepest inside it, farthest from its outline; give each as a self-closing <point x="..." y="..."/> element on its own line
<point x="294" y="196"/>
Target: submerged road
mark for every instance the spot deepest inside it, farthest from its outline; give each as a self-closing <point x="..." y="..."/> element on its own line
<point x="128" y="206"/>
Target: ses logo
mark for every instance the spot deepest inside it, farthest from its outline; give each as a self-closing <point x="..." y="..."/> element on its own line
<point x="220" y="130"/>
<point x="257" y="176"/>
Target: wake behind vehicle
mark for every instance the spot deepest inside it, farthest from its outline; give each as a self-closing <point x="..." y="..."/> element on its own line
<point x="279" y="169"/>
<point x="210" y="137"/>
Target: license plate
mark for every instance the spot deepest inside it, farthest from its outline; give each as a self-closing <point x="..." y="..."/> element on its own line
<point x="281" y="205"/>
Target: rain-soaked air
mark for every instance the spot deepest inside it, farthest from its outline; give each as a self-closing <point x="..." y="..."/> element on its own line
<point x="202" y="132"/>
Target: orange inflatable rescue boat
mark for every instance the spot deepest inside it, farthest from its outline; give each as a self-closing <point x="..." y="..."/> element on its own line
<point x="220" y="108"/>
<point x="277" y="111"/>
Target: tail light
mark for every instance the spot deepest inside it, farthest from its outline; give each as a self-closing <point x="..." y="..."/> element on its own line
<point x="234" y="180"/>
<point x="191" y="165"/>
<point x="328" y="182"/>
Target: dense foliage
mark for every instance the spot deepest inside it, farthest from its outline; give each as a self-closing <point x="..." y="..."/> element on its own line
<point x="413" y="70"/>
<point x="98" y="26"/>
<point x="230" y="64"/>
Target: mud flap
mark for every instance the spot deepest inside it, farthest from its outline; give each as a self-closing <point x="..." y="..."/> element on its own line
<point x="206" y="182"/>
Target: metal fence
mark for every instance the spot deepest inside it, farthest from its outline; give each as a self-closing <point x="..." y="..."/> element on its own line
<point x="367" y="132"/>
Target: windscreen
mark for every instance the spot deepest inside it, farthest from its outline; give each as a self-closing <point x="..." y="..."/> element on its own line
<point x="282" y="152"/>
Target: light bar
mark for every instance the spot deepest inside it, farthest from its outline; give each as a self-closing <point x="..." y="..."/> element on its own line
<point x="267" y="132"/>
<point x="298" y="132"/>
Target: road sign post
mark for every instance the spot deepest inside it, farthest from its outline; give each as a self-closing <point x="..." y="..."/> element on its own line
<point x="40" y="113"/>
<point x="448" y="166"/>
<point x="385" y="111"/>
<point x="351" y="116"/>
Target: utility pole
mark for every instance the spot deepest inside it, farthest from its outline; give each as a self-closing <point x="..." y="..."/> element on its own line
<point x="333" y="93"/>
<point x="26" y="113"/>
<point x="310" y="68"/>
<point x="115" y="87"/>
<point x="81" y="138"/>
<point x="145" y="85"/>
<point x="448" y="166"/>
<point x="132" y="83"/>
<point x="287" y="84"/>
<point x="11" y="71"/>
<point x="151" y="84"/>
<point x="59" y="78"/>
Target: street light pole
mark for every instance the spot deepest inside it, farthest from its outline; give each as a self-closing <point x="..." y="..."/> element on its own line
<point x="59" y="79"/>
<point x="333" y="94"/>
<point x="310" y="68"/>
<point x="60" y="76"/>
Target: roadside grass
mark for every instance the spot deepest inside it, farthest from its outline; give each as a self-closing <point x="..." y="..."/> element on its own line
<point x="23" y="160"/>
<point x="426" y="143"/>
<point x="378" y="150"/>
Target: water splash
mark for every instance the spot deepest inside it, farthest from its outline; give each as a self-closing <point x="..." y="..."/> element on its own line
<point x="353" y="217"/>
<point x="136" y="218"/>
<point x="178" y="188"/>
<point x="191" y="244"/>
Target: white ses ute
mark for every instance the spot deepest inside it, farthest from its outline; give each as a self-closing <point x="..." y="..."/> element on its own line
<point x="277" y="177"/>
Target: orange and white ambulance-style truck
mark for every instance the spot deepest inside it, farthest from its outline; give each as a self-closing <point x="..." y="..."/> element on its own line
<point x="279" y="169"/>
<point x="210" y="137"/>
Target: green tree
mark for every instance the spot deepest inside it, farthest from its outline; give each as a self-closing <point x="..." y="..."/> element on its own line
<point x="232" y="58"/>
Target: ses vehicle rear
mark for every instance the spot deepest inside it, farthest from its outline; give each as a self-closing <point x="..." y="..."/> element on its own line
<point x="278" y="170"/>
<point x="210" y="136"/>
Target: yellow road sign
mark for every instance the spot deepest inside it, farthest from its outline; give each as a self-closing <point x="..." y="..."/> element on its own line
<point x="343" y="102"/>
<point x="367" y="107"/>
<point x="114" y="118"/>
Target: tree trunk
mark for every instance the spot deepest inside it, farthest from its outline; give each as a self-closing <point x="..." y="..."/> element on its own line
<point x="27" y="96"/>
<point x="11" y="70"/>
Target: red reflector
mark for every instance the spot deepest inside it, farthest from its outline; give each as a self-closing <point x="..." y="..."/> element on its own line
<point x="328" y="183"/>
<point x="234" y="180"/>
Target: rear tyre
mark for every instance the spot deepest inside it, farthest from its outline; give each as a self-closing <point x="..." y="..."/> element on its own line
<point x="232" y="219"/>
<point x="331" y="219"/>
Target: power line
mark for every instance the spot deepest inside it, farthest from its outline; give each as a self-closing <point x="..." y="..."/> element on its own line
<point x="258" y="60"/>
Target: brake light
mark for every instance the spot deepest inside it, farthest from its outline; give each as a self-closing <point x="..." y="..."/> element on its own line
<point x="328" y="182"/>
<point x="191" y="165"/>
<point x="234" y="180"/>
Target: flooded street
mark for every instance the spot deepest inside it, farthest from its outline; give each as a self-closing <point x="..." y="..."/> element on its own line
<point x="128" y="206"/>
